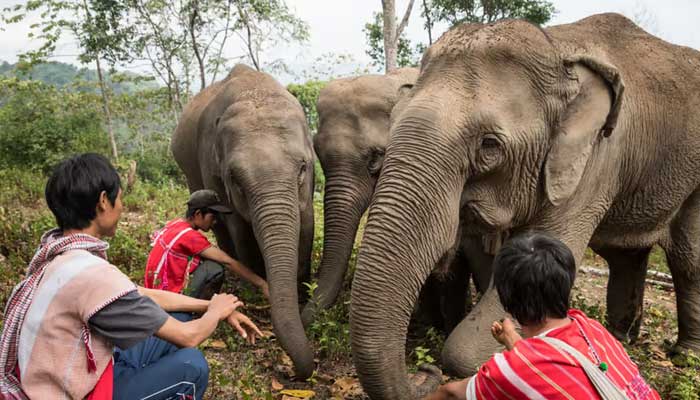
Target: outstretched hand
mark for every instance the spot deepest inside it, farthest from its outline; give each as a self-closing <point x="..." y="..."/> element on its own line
<point x="245" y="327"/>
<point x="504" y="332"/>
<point x="223" y="305"/>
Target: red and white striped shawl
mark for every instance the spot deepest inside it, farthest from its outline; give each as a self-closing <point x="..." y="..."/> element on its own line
<point x="46" y="336"/>
<point x="537" y="370"/>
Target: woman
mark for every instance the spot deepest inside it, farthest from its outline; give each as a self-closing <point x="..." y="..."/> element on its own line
<point x="534" y="274"/>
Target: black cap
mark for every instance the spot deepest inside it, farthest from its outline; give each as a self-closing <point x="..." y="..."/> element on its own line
<point x="206" y="198"/>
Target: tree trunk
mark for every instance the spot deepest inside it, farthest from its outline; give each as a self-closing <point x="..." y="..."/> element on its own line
<point x="105" y="106"/>
<point x="428" y="22"/>
<point x="389" y="14"/>
<point x="392" y="33"/>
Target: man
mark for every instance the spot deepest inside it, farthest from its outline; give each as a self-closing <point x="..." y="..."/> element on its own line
<point x="534" y="274"/>
<point x="184" y="261"/>
<point x="63" y="321"/>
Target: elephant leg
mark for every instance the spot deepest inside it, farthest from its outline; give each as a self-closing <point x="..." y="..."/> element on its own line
<point x="470" y="344"/>
<point x="480" y="263"/>
<point x="443" y="300"/>
<point x="224" y="239"/>
<point x="628" y="268"/>
<point x="245" y="244"/>
<point x="683" y="255"/>
<point x="427" y="312"/>
<point x="455" y="294"/>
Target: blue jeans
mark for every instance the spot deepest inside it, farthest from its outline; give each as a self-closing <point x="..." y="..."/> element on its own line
<point x="157" y="370"/>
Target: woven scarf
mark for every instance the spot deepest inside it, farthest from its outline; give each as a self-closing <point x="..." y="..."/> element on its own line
<point x="52" y="244"/>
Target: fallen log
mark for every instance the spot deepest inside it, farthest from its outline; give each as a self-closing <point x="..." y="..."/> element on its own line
<point x="655" y="278"/>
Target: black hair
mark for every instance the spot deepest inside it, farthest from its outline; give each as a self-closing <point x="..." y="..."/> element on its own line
<point x="192" y="210"/>
<point x="74" y="187"/>
<point x="534" y="274"/>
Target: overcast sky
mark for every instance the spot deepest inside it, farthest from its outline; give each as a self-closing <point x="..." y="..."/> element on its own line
<point x="336" y="27"/>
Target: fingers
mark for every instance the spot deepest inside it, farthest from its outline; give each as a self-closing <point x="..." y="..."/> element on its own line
<point x="236" y="305"/>
<point x="496" y="328"/>
<point x="508" y="324"/>
<point x="237" y="324"/>
<point x="251" y="328"/>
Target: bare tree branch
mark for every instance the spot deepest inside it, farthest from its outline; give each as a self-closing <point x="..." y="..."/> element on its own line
<point x="404" y="21"/>
<point x="428" y="22"/>
<point x="249" y="40"/>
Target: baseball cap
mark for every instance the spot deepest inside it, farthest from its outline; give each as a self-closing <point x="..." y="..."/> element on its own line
<point x="206" y="198"/>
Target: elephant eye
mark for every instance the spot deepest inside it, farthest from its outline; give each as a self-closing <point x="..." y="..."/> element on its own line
<point x="302" y="172"/>
<point x="489" y="141"/>
<point x="376" y="158"/>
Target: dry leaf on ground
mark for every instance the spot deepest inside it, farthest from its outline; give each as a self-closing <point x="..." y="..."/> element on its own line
<point x="276" y="385"/>
<point x="299" y="394"/>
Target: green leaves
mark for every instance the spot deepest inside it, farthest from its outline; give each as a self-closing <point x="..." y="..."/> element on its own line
<point x="407" y="54"/>
<point x="457" y="12"/>
<point x="40" y="124"/>
<point x="307" y="94"/>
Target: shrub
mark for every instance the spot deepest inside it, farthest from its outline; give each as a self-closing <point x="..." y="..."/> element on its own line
<point x="307" y="94"/>
<point x="40" y="125"/>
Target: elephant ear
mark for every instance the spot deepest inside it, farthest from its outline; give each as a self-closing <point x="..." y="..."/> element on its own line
<point x="592" y="112"/>
<point x="403" y="95"/>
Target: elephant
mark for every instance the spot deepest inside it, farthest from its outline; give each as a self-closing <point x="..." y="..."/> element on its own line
<point x="587" y="132"/>
<point x="246" y="138"/>
<point x="354" y="115"/>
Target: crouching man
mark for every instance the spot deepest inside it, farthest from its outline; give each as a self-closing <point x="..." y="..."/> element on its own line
<point x="77" y="327"/>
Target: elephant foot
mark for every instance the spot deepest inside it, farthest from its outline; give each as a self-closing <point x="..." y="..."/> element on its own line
<point x="625" y="334"/>
<point x="683" y="354"/>
<point x="426" y="380"/>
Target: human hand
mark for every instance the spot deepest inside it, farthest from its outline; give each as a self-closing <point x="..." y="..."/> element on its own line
<point x="223" y="305"/>
<point x="504" y="332"/>
<point x="245" y="327"/>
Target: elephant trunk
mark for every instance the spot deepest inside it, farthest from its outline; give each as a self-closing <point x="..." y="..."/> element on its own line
<point x="276" y="221"/>
<point x="412" y="224"/>
<point x="345" y="200"/>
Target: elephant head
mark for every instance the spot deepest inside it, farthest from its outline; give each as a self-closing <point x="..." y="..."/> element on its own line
<point x="497" y="133"/>
<point x="352" y="138"/>
<point x="264" y="159"/>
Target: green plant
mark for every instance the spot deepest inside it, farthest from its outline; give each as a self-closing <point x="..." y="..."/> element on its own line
<point x="40" y="125"/>
<point x="307" y="94"/>
<point x="422" y="356"/>
<point x="595" y="311"/>
<point x="331" y="330"/>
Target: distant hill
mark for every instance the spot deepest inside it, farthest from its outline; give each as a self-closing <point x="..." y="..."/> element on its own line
<point x="64" y="75"/>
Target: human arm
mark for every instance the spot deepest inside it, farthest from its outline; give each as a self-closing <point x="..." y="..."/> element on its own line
<point x="456" y="390"/>
<point x="505" y="333"/>
<point x="170" y="301"/>
<point x="192" y="333"/>
<point x="218" y="255"/>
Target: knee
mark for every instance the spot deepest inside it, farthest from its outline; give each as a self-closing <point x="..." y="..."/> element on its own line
<point x="195" y="364"/>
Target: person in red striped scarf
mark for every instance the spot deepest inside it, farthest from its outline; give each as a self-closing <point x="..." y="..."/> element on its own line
<point x="562" y="353"/>
<point x="76" y="327"/>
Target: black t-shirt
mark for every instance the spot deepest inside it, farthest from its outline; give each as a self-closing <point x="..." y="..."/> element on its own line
<point x="128" y="320"/>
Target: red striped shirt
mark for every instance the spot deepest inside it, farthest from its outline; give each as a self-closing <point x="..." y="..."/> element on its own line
<point x="536" y="370"/>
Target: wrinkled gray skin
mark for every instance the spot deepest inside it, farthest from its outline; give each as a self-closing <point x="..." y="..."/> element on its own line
<point x="588" y="132"/>
<point x="354" y="115"/>
<point x="246" y="137"/>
